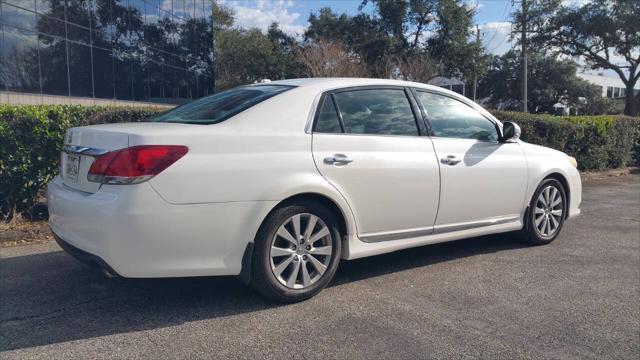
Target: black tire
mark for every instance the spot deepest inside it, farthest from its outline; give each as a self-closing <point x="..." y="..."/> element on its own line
<point x="263" y="278"/>
<point x="531" y="234"/>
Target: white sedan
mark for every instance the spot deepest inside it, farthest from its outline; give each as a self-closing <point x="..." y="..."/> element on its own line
<point x="278" y="182"/>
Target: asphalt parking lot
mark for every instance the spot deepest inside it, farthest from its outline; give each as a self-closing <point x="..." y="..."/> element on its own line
<point x="486" y="297"/>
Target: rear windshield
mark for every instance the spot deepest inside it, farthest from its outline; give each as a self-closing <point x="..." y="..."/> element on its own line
<point x="219" y="107"/>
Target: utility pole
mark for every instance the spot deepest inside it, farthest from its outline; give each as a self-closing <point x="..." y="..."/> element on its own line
<point x="213" y="46"/>
<point x="475" y="63"/>
<point x="524" y="56"/>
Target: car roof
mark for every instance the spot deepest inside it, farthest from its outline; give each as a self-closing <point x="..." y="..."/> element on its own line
<point x="336" y="82"/>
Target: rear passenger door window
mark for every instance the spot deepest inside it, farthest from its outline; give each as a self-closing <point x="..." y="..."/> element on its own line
<point x="376" y="112"/>
<point x="452" y="118"/>
<point x="328" y="120"/>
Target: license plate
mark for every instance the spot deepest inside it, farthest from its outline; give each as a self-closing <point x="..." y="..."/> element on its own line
<point x="72" y="167"/>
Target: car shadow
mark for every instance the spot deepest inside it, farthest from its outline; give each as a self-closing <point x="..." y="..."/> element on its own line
<point x="50" y="298"/>
<point x="479" y="151"/>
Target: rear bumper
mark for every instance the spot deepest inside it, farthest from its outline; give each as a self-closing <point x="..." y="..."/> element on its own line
<point x="85" y="257"/>
<point x="137" y="234"/>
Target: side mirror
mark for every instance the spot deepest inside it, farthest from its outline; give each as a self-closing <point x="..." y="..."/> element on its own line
<point x="510" y="131"/>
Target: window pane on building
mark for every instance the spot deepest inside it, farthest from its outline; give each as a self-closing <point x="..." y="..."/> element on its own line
<point x="77" y="12"/>
<point x="16" y="17"/>
<point x="19" y="69"/>
<point x="80" y="77"/>
<point x="51" y="26"/>
<point x="141" y="49"/>
<point x="53" y="62"/>
<point x="78" y="33"/>
<point x="193" y="85"/>
<point x="169" y="76"/>
<point x="122" y="73"/>
<point x="25" y="4"/>
<point x="103" y="73"/>
<point x="179" y="9"/>
<point x="44" y="7"/>
<point x="139" y="79"/>
<point x="183" y="83"/>
<point x="155" y="80"/>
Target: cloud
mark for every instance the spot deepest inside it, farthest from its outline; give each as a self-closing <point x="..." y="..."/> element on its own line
<point x="260" y="14"/>
<point x="575" y="3"/>
<point x="474" y="4"/>
<point x="495" y="36"/>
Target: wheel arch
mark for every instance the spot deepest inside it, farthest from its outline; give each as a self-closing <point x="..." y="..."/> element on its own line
<point x="332" y="205"/>
<point x="557" y="175"/>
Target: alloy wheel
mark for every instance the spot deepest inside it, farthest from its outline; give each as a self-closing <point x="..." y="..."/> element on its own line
<point x="548" y="211"/>
<point x="301" y="251"/>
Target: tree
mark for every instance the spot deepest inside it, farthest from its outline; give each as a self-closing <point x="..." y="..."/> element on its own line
<point x="605" y="33"/>
<point x="551" y="81"/>
<point x="326" y="58"/>
<point x="242" y="56"/>
<point x="458" y="57"/>
<point x="285" y="65"/>
<point x="392" y="21"/>
<point x="392" y="41"/>
<point x="419" y="67"/>
<point x="361" y="34"/>
<point x="328" y="25"/>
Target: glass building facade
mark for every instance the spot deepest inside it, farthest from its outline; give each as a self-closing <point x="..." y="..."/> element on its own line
<point x="143" y="50"/>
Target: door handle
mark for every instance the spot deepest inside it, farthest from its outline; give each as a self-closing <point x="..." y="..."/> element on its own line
<point x="450" y="160"/>
<point x="338" y="159"/>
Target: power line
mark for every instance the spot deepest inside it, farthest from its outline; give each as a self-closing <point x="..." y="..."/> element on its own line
<point x="502" y="20"/>
<point x="501" y="42"/>
<point x="524" y="56"/>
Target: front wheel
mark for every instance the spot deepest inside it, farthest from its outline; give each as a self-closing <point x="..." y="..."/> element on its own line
<point x="297" y="251"/>
<point x="546" y="213"/>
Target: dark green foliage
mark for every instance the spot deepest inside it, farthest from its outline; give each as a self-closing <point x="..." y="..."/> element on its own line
<point x="30" y="141"/>
<point x="597" y="142"/>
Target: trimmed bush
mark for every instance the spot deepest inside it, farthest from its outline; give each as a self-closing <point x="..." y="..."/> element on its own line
<point x="30" y="142"/>
<point x="597" y="142"/>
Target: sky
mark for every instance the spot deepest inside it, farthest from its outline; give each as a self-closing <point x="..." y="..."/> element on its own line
<point x="492" y="17"/>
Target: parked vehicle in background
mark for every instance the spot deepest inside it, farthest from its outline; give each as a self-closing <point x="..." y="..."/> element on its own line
<point x="278" y="182"/>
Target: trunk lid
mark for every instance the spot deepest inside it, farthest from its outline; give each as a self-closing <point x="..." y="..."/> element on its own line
<point x="83" y="144"/>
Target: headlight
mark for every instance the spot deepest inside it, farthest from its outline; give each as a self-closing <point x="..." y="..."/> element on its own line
<point x="573" y="161"/>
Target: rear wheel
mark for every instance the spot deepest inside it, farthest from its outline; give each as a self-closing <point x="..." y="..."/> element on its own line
<point x="546" y="213"/>
<point x="297" y="251"/>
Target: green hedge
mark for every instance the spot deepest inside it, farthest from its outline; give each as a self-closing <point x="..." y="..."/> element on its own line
<point x="597" y="142"/>
<point x="30" y="141"/>
<point x="31" y="136"/>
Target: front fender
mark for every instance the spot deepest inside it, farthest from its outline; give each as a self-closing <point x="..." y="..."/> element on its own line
<point x="542" y="163"/>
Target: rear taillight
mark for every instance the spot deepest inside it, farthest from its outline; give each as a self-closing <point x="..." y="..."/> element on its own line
<point x="135" y="164"/>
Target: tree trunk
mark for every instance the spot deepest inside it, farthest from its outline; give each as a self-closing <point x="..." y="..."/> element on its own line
<point x="631" y="103"/>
